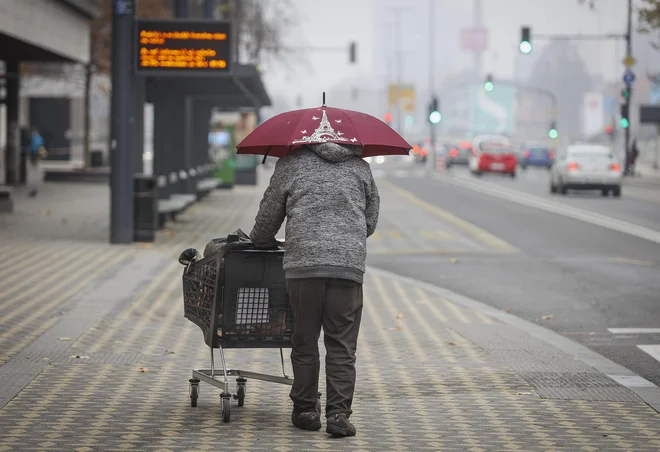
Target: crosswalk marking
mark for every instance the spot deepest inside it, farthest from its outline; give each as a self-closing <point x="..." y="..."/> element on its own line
<point x="634" y="330"/>
<point x="653" y="350"/>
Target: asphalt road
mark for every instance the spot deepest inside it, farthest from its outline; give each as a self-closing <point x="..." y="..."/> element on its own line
<point x="577" y="278"/>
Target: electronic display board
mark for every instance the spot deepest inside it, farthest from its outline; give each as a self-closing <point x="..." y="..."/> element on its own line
<point x="183" y="47"/>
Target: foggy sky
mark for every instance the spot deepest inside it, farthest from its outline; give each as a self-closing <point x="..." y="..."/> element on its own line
<point x="373" y="25"/>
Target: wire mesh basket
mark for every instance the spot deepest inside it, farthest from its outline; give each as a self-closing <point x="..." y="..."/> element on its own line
<point x="239" y="299"/>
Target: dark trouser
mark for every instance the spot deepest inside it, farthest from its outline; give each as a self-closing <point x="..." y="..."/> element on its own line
<point x="335" y="304"/>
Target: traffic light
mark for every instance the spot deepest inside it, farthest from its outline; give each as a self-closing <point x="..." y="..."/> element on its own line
<point x="352" y="52"/>
<point x="625" y="92"/>
<point x="434" y="111"/>
<point x="525" y="40"/>
<point x="488" y="86"/>
<point x="625" y="115"/>
<point x="388" y="117"/>
<point x="552" y="133"/>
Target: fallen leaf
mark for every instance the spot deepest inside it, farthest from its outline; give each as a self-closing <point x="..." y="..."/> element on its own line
<point x="144" y="370"/>
<point x="399" y="316"/>
<point x="507" y="310"/>
<point x="547" y="317"/>
<point x="63" y="338"/>
<point x="169" y="352"/>
<point x="45" y="359"/>
<point x="79" y="356"/>
<point x="453" y="261"/>
<point x="47" y="212"/>
<point x="398" y="328"/>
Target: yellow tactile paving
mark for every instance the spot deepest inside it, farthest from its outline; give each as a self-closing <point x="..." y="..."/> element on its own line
<point x="422" y="386"/>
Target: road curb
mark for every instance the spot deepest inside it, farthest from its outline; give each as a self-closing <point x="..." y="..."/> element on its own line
<point x="644" y="389"/>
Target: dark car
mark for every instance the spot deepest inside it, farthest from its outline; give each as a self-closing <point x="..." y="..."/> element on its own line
<point x="534" y="155"/>
<point x="458" y="153"/>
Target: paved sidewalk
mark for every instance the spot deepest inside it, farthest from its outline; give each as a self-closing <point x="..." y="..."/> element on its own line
<point x="109" y="370"/>
<point x="646" y="177"/>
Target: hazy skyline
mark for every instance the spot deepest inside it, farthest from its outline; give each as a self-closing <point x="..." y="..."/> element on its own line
<point x="324" y="24"/>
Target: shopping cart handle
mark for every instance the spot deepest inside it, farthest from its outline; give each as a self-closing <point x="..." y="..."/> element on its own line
<point x="188" y="256"/>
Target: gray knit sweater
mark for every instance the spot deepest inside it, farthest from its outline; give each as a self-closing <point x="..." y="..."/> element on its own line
<point x="330" y="200"/>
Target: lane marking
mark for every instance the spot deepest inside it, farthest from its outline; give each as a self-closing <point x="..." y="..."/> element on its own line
<point x="480" y="234"/>
<point x="634" y="330"/>
<point x="653" y="350"/>
<point x="586" y="216"/>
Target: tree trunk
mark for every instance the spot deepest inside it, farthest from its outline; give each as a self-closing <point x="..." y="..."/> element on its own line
<point x="87" y="114"/>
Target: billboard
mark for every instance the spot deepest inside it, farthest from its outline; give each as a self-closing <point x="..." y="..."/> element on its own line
<point x="183" y="46"/>
<point x="494" y="111"/>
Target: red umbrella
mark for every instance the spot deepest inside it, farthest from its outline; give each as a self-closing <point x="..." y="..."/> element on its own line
<point x="284" y="132"/>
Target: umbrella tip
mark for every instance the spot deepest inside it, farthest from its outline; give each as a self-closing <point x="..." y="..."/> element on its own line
<point x="324" y="98"/>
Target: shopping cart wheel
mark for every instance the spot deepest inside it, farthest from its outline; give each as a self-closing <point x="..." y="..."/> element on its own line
<point x="226" y="406"/>
<point x="194" y="391"/>
<point x="240" y="394"/>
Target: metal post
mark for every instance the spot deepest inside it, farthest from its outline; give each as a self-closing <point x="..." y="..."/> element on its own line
<point x="13" y="149"/>
<point x="399" y="76"/>
<point x="477" y="24"/>
<point x="630" y="90"/>
<point x="121" y="179"/>
<point x="208" y="9"/>
<point x="180" y="8"/>
<point x="432" y="153"/>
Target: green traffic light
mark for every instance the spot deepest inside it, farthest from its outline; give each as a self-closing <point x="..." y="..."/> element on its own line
<point x="624" y="123"/>
<point x="435" y="117"/>
<point x="553" y="133"/>
<point x="525" y="47"/>
<point x="488" y="86"/>
<point x="625" y="93"/>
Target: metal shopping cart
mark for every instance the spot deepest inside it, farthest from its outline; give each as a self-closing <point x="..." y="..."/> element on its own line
<point x="239" y="300"/>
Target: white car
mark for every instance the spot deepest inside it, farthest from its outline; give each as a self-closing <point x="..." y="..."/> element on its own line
<point x="586" y="167"/>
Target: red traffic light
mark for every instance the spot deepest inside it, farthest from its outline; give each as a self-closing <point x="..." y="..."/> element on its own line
<point x="388" y="117"/>
<point x="609" y="129"/>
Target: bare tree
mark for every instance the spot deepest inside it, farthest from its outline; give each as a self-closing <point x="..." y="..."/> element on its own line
<point x="261" y="28"/>
<point x="648" y="15"/>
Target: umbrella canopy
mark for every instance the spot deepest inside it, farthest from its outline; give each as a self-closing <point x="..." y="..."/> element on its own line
<point x="284" y="132"/>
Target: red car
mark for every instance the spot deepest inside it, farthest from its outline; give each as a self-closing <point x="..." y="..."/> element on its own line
<point x="493" y="158"/>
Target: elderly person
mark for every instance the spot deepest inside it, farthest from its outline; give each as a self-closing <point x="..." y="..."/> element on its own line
<point x="329" y="197"/>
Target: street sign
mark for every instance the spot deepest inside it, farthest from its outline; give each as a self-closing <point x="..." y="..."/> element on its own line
<point x="628" y="77"/>
<point x="404" y="94"/>
<point x="474" y="39"/>
<point x="629" y="61"/>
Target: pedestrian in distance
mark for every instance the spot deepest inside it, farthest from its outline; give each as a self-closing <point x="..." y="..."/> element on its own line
<point x="330" y="200"/>
<point x="634" y="154"/>
<point x="36" y="151"/>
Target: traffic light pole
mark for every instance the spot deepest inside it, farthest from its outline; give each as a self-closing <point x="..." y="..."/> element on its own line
<point x="629" y="87"/>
